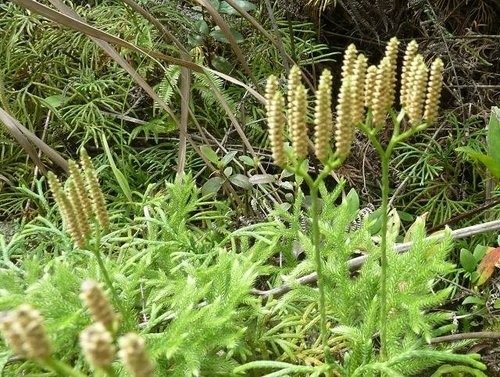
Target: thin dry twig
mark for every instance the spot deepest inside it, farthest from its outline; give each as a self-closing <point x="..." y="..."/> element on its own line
<point x="465" y="336"/>
<point x="357" y="262"/>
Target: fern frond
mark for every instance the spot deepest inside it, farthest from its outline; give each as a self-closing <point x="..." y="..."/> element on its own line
<point x="166" y="87"/>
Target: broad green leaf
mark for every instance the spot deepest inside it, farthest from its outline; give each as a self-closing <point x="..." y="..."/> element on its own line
<point x="120" y="177"/>
<point x="494" y="135"/>
<point x="247" y="160"/>
<point x="486" y="160"/>
<point x="474" y="276"/>
<point x="473" y="300"/>
<point x="210" y="154"/>
<point x="240" y="180"/>
<point x="414" y="228"/>
<point x="352" y="200"/>
<point x="259" y="179"/>
<point x="225" y="8"/>
<point x="393" y="225"/>
<point x="228" y="171"/>
<point x="375" y="221"/>
<point x="405" y="216"/>
<point x="229" y="156"/>
<point x="479" y="252"/>
<point x="218" y="35"/>
<point x="54" y="101"/>
<point x="212" y="186"/>
<point x="467" y="260"/>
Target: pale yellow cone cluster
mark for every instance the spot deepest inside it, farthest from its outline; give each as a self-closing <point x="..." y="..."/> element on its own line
<point x="297" y="113"/>
<point x="410" y="54"/>
<point x="133" y="355"/>
<point x="420" y="92"/>
<point x="362" y="87"/>
<point x="384" y="87"/>
<point x="100" y="308"/>
<point x="416" y="97"/>
<point x="97" y="340"/>
<point x="351" y="101"/>
<point x="94" y="189"/>
<point x="24" y="332"/>
<point x="354" y="71"/>
<point x="97" y="346"/>
<point x="323" y="117"/>
<point x="434" y="91"/>
<point x="82" y="199"/>
<point x="350" y="56"/>
<point x="370" y="80"/>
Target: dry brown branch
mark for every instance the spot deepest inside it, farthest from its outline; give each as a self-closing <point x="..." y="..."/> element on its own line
<point x="355" y="263"/>
<point x="464" y="336"/>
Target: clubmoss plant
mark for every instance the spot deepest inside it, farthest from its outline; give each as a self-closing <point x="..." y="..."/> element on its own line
<point x="292" y="159"/>
<point x="366" y="100"/>
<point x="81" y="204"/>
<point x="24" y="332"/>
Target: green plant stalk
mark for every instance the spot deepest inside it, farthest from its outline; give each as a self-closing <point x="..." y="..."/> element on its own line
<point x="62" y="369"/>
<point x="383" y="255"/>
<point x="319" y="270"/>
<point x="108" y="282"/>
<point x="108" y="372"/>
<point x="116" y="300"/>
<point x="316" y="241"/>
<point x="385" y="156"/>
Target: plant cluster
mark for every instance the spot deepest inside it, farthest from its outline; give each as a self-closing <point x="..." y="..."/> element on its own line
<point x="373" y="88"/>
<point x="310" y="286"/>
<point x="187" y="286"/>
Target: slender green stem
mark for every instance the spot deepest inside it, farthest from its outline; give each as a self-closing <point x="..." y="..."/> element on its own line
<point x="62" y="369"/>
<point x="116" y="299"/>
<point x="385" y="156"/>
<point x="109" y="372"/>
<point x="383" y="256"/>
<point x="316" y="241"/>
<point x="319" y="270"/>
<point x="107" y="280"/>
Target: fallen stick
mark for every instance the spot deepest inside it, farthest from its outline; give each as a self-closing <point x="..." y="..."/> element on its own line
<point x="355" y="263"/>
